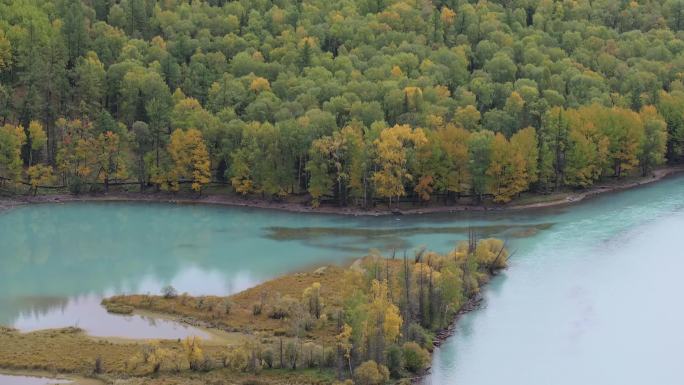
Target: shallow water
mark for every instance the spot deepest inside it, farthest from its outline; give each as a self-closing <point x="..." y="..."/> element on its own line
<point x="591" y="287"/>
<point x="594" y="302"/>
<point x="26" y="380"/>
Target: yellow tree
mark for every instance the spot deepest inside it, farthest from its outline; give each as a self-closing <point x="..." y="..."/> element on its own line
<point x="190" y="159"/>
<point x="524" y="143"/>
<point x="507" y="172"/>
<point x="344" y="344"/>
<point x="259" y="84"/>
<point x="384" y="322"/>
<point x="39" y="175"/>
<point x="392" y="151"/>
<point x="37" y="139"/>
<point x="413" y="98"/>
<point x="109" y="157"/>
<point x="12" y="138"/>
<point x="625" y="132"/>
<point x="587" y="153"/>
<point x="193" y="352"/>
<point x="312" y="299"/>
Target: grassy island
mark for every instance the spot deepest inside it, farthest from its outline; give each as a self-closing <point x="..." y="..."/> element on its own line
<point x="374" y="322"/>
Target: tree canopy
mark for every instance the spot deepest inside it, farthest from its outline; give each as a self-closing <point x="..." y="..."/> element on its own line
<point x="353" y="101"/>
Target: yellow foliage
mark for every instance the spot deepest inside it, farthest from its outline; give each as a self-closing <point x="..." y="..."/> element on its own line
<point x="424" y="187"/>
<point x="190" y="159"/>
<point x="391" y="148"/>
<point x="193" y="351"/>
<point x="507" y="170"/>
<point x="371" y="373"/>
<point x="37" y="135"/>
<point x="383" y="312"/>
<point x="259" y="84"/>
<point x="447" y="16"/>
<point x="40" y="175"/>
<point x="491" y="252"/>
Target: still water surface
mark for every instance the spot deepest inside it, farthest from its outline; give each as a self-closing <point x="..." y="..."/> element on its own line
<point x="591" y="295"/>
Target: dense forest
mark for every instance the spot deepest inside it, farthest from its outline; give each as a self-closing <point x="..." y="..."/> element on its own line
<point x="354" y="101"/>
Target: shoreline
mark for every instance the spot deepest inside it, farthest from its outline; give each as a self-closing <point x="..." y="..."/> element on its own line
<point x="48" y="376"/>
<point x="563" y="199"/>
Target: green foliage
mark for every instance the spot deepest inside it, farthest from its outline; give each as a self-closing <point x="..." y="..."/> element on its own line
<point x="290" y="98"/>
<point x="415" y="358"/>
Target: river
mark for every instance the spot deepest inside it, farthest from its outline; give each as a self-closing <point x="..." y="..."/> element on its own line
<point x="590" y="296"/>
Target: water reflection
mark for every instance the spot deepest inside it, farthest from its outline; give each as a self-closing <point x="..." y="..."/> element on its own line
<point x="86" y="313"/>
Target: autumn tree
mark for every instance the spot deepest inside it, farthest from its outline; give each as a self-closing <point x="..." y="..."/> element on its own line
<point x="507" y="170"/>
<point x="37" y="140"/>
<point x="109" y="157"/>
<point x="190" y="159"/>
<point x="587" y="153"/>
<point x="394" y="149"/>
<point x="39" y="175"/>
<point x="12" y="138"/>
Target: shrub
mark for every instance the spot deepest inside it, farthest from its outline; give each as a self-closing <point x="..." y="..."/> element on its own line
<point x="256" y="309"/>
<point x="268" y="356"/>
<point x="98" y="365"/>
<point x="169" y="292"/>
<point x="225" y="306"/>
<point x="371" y="373"/>
<point x="282" y="307"/>
<point x="418" y="334"/>
<point x="395" y="361"/>
<point x="238" y="359"/>
<point x="415" y="358"/>
<point x="206" y="363"/>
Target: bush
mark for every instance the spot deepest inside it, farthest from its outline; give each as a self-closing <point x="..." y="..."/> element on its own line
<point x="371" y="373"/>
<point x="268" y="356"/>
<point x="418" y="334"/>
<point x="169" y="292"/>
<point x="238" y="360"/>
<point x="256" y="309"/>
<point x="282" y="307"/>
<point x="225" y="306"/>
<point x="395" y="361"/>
<point x="415" y="358"/>
<point x="206" y="363"/>
<point x="329" y="357"/>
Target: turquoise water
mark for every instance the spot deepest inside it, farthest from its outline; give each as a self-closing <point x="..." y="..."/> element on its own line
<point x="595" y="301"/>
<point x="591" y="295"/>
<point x="59" y="260"/>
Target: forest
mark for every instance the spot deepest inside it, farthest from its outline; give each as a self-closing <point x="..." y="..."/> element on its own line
<point x="353" y="101"/>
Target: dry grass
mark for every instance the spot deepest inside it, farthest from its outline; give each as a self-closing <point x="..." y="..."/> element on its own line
<point x="62" y="351"/>
<point x="210" y="311"/>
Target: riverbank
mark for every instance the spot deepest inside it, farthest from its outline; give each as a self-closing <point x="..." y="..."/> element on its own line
<point x="51" y="378"/>
<point x="526" y="201"/>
